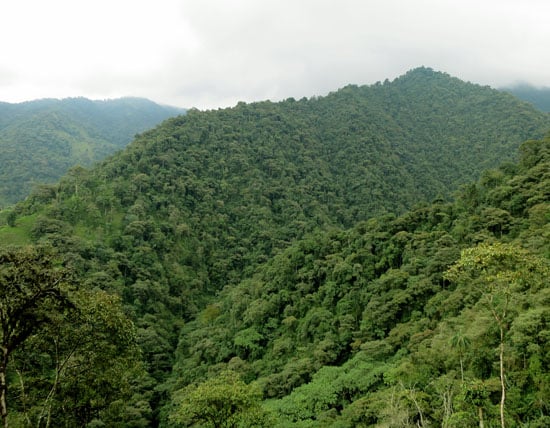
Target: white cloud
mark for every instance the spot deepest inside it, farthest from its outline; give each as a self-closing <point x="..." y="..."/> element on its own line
<point x="209" y="53"/>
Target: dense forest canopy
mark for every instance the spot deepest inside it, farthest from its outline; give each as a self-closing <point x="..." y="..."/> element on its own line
<point x="398" y="320"/>
<point x="40" y="140"/>
<point x="306" y="262"/>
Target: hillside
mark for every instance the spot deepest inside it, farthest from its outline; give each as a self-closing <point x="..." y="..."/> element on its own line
<point x="397" y="321"/>
<point x="274" y="239"/>
<point x="539" y="97"/>
<point x="229" y="188"/>
<point x="40" y="140"/>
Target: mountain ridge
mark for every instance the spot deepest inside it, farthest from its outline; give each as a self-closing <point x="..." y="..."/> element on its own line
<point x="42" y="139"/>
<point x="275" y="240"/>
<point x="538" y="96"/>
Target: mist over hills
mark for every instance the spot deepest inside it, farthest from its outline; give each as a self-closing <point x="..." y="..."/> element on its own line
<point x="298" y="257"/>
<point x="539" y="97"/>
<point x="40" y="140"/>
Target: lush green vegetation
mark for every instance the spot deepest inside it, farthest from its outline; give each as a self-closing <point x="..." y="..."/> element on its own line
<point x="400" y="321"/>
<point x="41" y="140"/>
<point x="300" y="264"/>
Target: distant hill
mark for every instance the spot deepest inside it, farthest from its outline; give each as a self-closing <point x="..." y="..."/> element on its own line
<point x="539" y="97"/>
<point x="40" y="140"/>
<point x="267" y="239"/>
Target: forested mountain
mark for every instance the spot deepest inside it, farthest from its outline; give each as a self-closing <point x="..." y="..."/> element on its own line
<point x="539" y="97"/>
<point x="400" y="321"/>
<point x="40" y="140"/>
<point x="301" y="260"/>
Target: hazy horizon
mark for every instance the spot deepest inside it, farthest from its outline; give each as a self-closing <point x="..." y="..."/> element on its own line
<point x="214" y="53"/>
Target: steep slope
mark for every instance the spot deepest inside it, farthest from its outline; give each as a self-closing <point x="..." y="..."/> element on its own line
<point x="203" y="201"/>
<point x="396" y="320"/>
<point x="40" y="140"/>
<point x="227" y="188"/>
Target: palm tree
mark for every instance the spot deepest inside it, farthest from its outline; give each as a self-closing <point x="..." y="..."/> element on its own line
<point x="460" y="342"/>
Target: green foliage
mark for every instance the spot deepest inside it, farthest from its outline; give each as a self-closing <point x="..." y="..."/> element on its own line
<point x="20" y="233"/>
<point x="32" y="286"/>
<point x="32" y="293"/>
<point x="273" y="240"/>
<point x="222" y="401"/>
<point x="68" y="353"/>
<point x="400" y="322"/>
<point x="505" y="276"/>
<point x="40" y="140"/>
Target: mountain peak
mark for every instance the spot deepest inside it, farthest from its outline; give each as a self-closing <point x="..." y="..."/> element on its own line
<point x="426" y="73"/>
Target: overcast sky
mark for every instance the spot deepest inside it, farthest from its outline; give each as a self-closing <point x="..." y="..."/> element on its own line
<point x="214" y="53"/>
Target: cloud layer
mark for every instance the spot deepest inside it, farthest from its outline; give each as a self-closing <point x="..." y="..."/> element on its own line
<point x="213" y="53"/>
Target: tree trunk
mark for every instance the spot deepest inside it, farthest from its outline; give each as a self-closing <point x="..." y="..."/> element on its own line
<point x="23" y="397"/>
<point x="480" y="413"/>
<point x="500" y="319"/>
<point x="3" y="387"/>
<point x="502" y="380"/>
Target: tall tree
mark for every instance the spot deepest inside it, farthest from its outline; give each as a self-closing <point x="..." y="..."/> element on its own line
<point x="503" y="273"/>
<point x="32" y="288"/>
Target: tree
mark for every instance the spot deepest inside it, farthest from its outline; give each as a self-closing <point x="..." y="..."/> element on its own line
<point x="70" y="349"/>
<point x="84" y="365"/>
<point x="32" y="289"/>
<point x="10" y="218"/>
<point x="503" y="273"/>
<point x="476" y="392"/>
<point x="460" y="342"/>
<point x="224" y="401"/>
